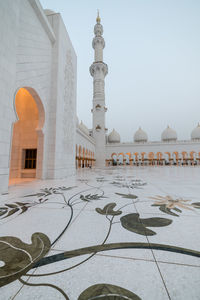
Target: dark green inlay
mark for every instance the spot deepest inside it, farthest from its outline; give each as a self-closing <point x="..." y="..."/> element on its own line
<point x="114" y="246"/>
<point x="108" y="210"/>
<point x="132" y="222"/>
<point x="196" y="204"/>
<point x="107" y="292"/>
<point x="127" y="196"/>
<point x="20" y="257"/>
<point x="90" y="197"/>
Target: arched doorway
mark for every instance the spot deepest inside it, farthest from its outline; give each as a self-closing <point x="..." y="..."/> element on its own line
<point x="114" y="159"/>
<point x="127" y="158"/>
<point x="26" y="158"/>
<point x="121" y="158"/>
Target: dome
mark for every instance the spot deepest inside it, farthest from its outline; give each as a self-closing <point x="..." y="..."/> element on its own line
<point x="114" y="137"/>
<point x="140" y="136"/>
<point x="195" y="134"/>
<point x="83" y="128"/>
<point x="169" y="135"/>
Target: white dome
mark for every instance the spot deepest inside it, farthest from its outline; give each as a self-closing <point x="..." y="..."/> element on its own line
<point x="83" y="128"/>
<point x="169" y="135"/>
<point x="114" y="137"/>
<point x="195" y="134"/>
<point x="140" y="136"/>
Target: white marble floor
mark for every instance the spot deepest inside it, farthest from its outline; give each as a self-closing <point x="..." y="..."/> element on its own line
<point x="115" y="233"/>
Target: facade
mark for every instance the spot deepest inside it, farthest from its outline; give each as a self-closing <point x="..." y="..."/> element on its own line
<point x="38" y="94"/>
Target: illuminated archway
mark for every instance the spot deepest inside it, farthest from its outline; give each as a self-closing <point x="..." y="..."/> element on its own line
<point x="83" y="158"/>
<point x="184" y="157"/>
<point x="121" y="158"/>
<point x="76" y="158"/>
<point x="175" y="158"/>
<point x="128" y="158"/>
<point x="114" y="159"/>
<point x="26" y="157"/>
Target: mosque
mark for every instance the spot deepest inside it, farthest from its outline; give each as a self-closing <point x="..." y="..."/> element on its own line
<point x="109" y="150"/>
<point x="40" y="134"/>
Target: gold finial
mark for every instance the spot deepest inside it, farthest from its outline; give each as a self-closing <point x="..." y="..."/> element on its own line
<point x="98" y="19"/>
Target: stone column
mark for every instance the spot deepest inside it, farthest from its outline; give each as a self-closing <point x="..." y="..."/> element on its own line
<point x="98" y="71"/>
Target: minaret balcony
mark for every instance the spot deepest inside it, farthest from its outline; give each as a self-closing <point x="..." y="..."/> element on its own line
<point x="98" y="67"/>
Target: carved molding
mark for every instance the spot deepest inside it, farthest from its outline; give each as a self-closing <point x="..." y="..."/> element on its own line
<point x="98" y="40"/>
<point x="99" y="67"/>
<point x="98" y="29"/>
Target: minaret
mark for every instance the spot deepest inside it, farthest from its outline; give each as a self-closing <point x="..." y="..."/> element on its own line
<point x="98" y="71"/>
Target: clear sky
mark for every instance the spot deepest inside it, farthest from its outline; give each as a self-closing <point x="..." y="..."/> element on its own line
<point x="153" y="55"/>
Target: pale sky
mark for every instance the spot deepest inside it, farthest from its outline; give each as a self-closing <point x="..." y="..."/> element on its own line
<point x="153" y="56"/>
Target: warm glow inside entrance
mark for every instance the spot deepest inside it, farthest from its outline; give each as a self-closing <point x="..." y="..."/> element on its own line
<point x="25" y="138"/>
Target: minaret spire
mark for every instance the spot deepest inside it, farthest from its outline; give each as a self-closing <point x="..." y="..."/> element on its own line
<point x="98" y="19"/>
<point x="98" y="71"/>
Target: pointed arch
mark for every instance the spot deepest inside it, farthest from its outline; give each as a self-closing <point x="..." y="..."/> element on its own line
<point x="27" y="135"/>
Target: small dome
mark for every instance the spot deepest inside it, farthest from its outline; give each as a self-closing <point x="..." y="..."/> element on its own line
<point x="114" y="137"/>
<point x="140" y="136"/>
<point x="169" y="135"/>
<point x="195" y="134"/>
<point x="83" y="128"/>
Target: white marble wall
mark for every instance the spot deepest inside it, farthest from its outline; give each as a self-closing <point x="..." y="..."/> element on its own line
<point x="9" y="14"/>
<point x="85" y="141"/>
<point x="36" y="53"/>
<point x="63" y="102"/>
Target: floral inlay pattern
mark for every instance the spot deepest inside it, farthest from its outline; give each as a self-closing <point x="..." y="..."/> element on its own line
<point x="19" y="257"/>
<point x="21" y="207"/>
<point x="167" y="204"/>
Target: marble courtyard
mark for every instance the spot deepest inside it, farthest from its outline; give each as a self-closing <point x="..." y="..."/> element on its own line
<point x="84" y="216"/>
<point x="122" y="232"/>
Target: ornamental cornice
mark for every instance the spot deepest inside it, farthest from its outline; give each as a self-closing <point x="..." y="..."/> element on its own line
<point x="98" y="29"/>
<point x="98" y="40"/>
<point x="98" y="67"/>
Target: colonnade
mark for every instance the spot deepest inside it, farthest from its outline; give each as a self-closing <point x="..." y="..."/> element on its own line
<point x="167" y="158"/>
<point x="84" y="157"/>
